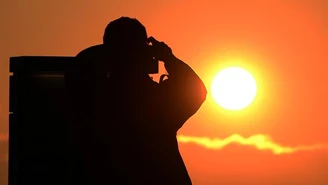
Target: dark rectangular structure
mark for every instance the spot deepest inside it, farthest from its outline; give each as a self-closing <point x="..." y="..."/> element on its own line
<point x="39" y="151"/>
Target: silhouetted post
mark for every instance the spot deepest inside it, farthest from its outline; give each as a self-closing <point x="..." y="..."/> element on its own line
<point x="39" y="150"/>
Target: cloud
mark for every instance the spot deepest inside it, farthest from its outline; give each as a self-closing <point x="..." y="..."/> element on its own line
<point x="259" y="141"/>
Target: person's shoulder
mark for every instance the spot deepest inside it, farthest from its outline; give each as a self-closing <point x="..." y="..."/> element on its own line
<point x="86" y="59"/>
<point x="91" y="51"/>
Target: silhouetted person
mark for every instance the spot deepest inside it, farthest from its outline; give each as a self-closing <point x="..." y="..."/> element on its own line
<point x="127" y="122"/>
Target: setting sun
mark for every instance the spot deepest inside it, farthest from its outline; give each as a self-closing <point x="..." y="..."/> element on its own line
<point x="233" y="88"/>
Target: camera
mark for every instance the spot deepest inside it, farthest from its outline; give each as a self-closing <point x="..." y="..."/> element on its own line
<point x="153" y="64"/>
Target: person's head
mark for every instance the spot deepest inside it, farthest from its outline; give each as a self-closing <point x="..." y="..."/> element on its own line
<point x="126" y="39"/>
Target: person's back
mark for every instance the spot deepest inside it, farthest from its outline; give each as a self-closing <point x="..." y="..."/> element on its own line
<point x="134" y="144"/>
<point x="130" y="130"/>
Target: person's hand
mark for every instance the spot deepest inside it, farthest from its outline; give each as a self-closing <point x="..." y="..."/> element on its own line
<point x="160" y="50"/>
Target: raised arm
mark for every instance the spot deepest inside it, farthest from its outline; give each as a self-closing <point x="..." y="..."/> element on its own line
<point x="183" y="92"/>
<point x="185" y="84"/>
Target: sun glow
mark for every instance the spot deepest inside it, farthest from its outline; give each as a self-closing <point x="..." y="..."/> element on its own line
<point x="233" y="88"/>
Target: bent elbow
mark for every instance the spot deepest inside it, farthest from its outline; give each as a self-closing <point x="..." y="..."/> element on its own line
<point x="199" y="97"/>
<point x="202" y="93"/>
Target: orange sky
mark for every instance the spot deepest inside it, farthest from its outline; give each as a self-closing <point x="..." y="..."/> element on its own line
<point x="283" y="43"/>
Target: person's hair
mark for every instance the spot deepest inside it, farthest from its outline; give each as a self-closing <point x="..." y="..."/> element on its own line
<point x="124" y="30"/>
<point x="125" y="40"/>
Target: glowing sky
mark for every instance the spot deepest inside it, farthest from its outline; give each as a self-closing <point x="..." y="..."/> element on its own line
<point x="281" y="138"/>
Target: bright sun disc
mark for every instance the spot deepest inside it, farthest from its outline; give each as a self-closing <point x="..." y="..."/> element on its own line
<point x="233" y="88"/>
